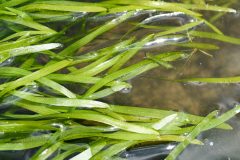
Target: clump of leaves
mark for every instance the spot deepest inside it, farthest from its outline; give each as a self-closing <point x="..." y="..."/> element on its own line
<point x="41" y="59"/>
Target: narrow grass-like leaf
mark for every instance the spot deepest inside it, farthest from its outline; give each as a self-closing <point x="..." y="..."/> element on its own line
<point x="36" y="108"/>
<point x="97" y="146"/>
<point x="97" y="66"/>
<point x="81" y="79"/>
<point x="206" y="7"/>
<point x="35" y="75"/>
<point x="158" y="61"/>
<point x="78" y="129"/>
<point x="215" y="36"/>
<point x="19" y="13"/>
<point x="127" y="55"/>
<point x="68" y="102"/>
<point x="163" y="122"/>
<point x="157" y="113"/>
<point x="27" y="50"/>
<point x="51" y="16"/>
<point x="223" y="118"/>
<point x="88" y="57"/>
<point x="23" y="42"/>
<point x="107" y="54"/>
<point x="100" y="67"/>
<point x="163" y="6"/>
<point x="12" y="3"/>
<point x="57" y="87"/>
<point x="197" y="45"/>
<point x="12" y="128"/>
<point x="196" y="131"/>
<point x="25" y="34"/>
<point x="118" y="74"/>
<point x="113" y="150"/>
<point x="108" y="91"/>
<point x="179" y="29"/>
<point x="18" y="72"/>
<point x="94" y="148"/>
<point x="2" y="12"/>
<point x="95" y="116"/>
<point x="67" y="153"/>
<point x="63" y="7"/>
<point x="85" y="155"/>
<point x="27" y="23"/>
<point x="48" y="152"/>
<point x="220" y="14"/>
<point x="132" y="71"/>
<point x="110" y="113"/>
<point x="210" y="25"/>
<point x="68" y="2"/>
<point x="226" y="80"/>
<point x="26" y="143"/>
<point x="127" y="8"/>
<point x="78" y="44"/>
<point x="129" y="136"/>
<point x="134" y="118"/>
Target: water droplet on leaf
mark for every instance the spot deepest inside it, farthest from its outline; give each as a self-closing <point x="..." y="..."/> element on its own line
<point x="126" y="90"/>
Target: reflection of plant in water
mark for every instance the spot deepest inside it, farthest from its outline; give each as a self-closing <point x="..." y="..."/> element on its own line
<point x="37" y="83"/>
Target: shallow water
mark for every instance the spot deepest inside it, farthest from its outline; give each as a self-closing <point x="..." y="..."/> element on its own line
<point x="218" y="145"/>
<point x="150" y="90"/>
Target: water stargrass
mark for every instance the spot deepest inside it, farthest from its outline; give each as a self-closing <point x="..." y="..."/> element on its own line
<point x="55" y="79"/>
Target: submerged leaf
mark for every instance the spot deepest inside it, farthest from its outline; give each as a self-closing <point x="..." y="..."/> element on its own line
<point x="64" y="7"/>
<point x="34" y="76"/>
<point x="68" y="102"/>
<point x="215" y="36"/>
<point x="212" y="80"/>
<point x="48" y="98"/>
<point x="27" y="50"/>
<point x="113" y="23"/>
<point x="197" y="130"/>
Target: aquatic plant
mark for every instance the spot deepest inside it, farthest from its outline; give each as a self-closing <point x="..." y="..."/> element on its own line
<point x="52" y="87"/>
